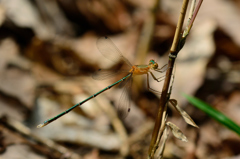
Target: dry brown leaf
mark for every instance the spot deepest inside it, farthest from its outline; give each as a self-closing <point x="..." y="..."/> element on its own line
<point x="185" y="116"/>
<point x="10" y="109"/>
<point x="113" y="14"/>
<point x="21" y="152"/>
<point x="177" y="132"/>
<point x="18" y="84"/>
<point x="14" y="81"/>
<point x="8" y="52"/>
<point x="163" y="143"/>
<point x="24" y="14"/>
<point x="2" y="14"/>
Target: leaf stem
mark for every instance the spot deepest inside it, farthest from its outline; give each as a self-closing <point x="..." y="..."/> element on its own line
<point x="194" y="15"/>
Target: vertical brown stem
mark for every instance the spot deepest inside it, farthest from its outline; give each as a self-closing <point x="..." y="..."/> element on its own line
<point x="179" y="25"/>
<point x="164" y="97"/>
<point x="163" y="100"/>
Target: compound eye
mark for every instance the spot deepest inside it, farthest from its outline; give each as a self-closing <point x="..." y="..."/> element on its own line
<point x="155" y="66"/>
<point x="152" y="62"/>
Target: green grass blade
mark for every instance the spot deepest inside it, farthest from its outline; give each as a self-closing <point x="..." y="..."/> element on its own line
<point x="215" y="114"/>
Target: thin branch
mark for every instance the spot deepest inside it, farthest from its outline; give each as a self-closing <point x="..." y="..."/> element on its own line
<point x="164" y="97"/>
<point x="33" y="139"/>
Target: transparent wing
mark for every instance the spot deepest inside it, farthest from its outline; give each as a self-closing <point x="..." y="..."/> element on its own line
<point x="103" y="74"/>
<point x="123" y="107"/>
<point x="110" y="51"/>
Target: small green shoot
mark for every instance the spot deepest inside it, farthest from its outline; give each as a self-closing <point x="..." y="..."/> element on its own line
<point x="215" y="114"/>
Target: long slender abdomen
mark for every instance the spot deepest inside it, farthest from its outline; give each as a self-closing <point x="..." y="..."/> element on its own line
<point x="75" y="106"/>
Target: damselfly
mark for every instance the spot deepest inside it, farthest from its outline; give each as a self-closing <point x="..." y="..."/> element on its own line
<point x="110" y="51"/>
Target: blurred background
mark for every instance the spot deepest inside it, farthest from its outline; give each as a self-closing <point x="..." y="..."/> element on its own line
<point x="48" y="54"/>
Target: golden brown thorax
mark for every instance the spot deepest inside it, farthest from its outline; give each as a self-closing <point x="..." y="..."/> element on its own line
<point x="138" y="70"/>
